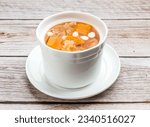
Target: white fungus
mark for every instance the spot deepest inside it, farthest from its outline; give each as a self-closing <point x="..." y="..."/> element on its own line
<point x="64" y="37"/>
<point x="68" y="42"/>
<point x="50" y="33"/>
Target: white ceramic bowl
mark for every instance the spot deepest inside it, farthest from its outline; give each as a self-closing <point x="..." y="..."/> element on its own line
<point x="71" y="69"/>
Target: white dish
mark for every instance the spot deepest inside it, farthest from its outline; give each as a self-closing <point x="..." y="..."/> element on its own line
<point x="110" y="68"/>
<point x="71" y="69"/>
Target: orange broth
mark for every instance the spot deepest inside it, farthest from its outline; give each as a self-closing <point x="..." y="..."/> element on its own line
<point x="72" y="36"/>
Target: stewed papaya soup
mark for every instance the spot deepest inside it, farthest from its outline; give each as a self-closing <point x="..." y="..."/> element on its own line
<point x="72" y="36"/>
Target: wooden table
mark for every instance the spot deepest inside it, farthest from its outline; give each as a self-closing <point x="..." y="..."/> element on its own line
<point x="129" y="34"/>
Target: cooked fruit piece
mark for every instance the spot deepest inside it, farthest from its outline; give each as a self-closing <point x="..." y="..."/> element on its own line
<point x="83" y="29"/>
<point x="55" y="42"/>
<point x="70" y="47"/>
<point x="76" y="40"/>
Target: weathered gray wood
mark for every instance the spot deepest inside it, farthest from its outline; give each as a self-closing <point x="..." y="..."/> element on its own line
<point x="133" y="84"/>
<point x="106" y="9"/>
<point x="128" y="37"/>
<point x="93" y="106"/>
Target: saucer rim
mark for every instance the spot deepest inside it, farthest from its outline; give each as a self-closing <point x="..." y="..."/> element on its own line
<point x="111" y="82"/>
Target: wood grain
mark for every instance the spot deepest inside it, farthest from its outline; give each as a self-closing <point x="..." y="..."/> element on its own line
<point x="120" y="106"/>
<point x="129" y="33"/>
<point x="128" y="37"/>
<point x="106" y="9"/>
<point x="133" y="84"/>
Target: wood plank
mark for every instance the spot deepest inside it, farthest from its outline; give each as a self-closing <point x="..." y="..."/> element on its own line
<point x="106" y="9"/>
<point x="128" y="37"/>
<point x="133" y="84"/>
<point x="120" y="106"/>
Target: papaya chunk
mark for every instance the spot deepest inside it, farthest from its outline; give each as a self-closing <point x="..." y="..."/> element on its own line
<point x="55" y="42"/>
<point x="83" y="29"/>
<point x="76" y="40"/>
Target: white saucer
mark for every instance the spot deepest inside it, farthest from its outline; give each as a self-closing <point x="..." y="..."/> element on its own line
<point x="109" y="73"/>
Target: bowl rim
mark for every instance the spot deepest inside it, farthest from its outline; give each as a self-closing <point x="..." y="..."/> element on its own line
<point x="72" y="12"/>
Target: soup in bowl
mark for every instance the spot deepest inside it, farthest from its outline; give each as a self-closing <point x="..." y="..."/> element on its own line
<point x="71" y="47"/>
<point x="72" y="36"/>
